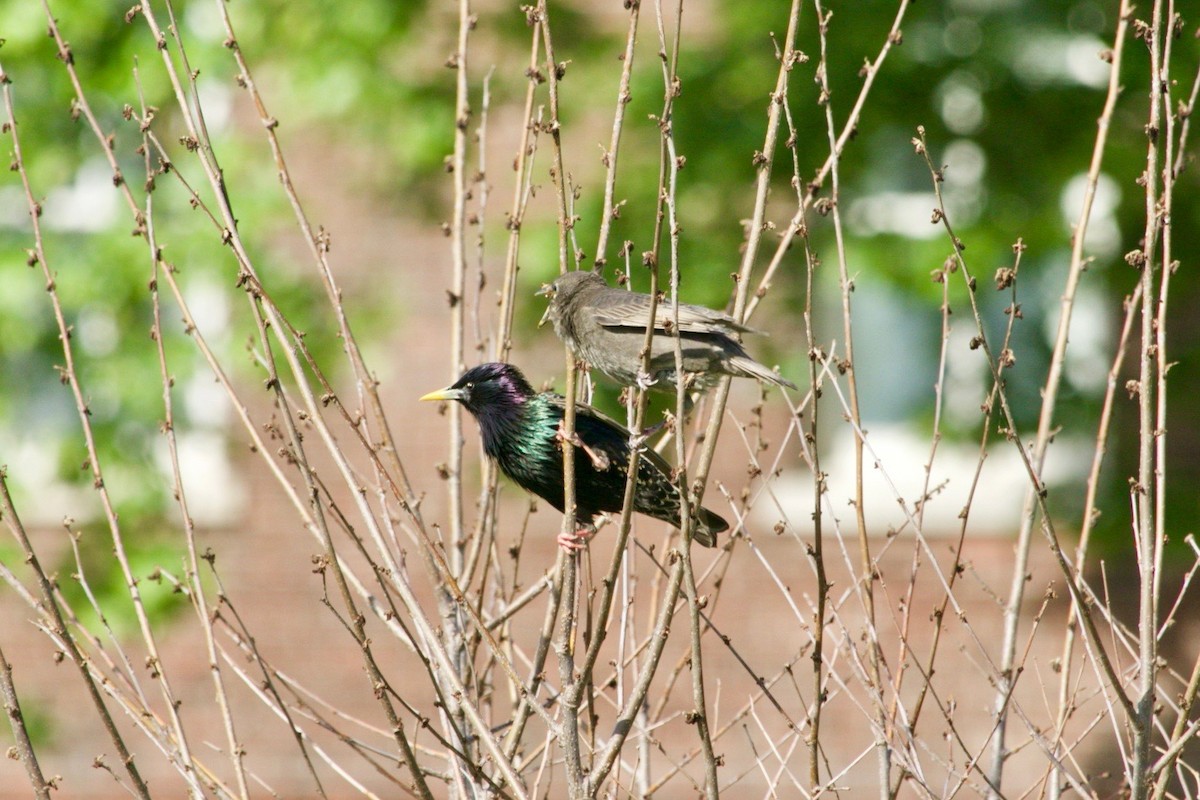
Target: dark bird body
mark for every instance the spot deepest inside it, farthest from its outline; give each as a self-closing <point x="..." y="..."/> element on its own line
<point x="520" y="431"/>
<point x="606" y="327"/>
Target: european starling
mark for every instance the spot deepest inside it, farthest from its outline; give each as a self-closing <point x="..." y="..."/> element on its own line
<point x="522" y="432"/>
<point x="606" y="327"/>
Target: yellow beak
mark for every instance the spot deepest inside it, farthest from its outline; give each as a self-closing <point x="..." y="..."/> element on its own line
<point x="444" y="394"/>
<point x="547" y="290"/>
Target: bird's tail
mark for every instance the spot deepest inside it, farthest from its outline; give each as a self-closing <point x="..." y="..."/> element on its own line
<point x="749" y="368"/>
<point x="708" y="525"/>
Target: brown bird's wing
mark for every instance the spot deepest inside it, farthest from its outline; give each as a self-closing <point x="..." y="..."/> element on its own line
<point x="621" y="309"/>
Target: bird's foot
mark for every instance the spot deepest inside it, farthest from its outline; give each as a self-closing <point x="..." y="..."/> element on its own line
<point x="599" y="460"/>
<point x="644" y="380"/>
<point x="576" y="541"/>
<point x="668" y="422"/>
<point x="639" y="439"/>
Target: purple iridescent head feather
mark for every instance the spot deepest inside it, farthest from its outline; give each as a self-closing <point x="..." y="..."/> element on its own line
<point x="492" y="384"/>
<point x="496" y="394"/>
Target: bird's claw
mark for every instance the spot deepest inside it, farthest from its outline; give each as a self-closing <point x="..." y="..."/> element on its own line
<point x="639" y="439"/>
<point x="561" y="434"/>
<point x="645" y="380"/>
<point x="575" y="541"/>
<point x="599" y="460"/>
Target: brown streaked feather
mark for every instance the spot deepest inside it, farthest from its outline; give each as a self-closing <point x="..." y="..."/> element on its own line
<point x="632" y="309"/>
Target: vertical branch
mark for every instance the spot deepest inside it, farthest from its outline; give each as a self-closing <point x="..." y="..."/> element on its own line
<point x="1090" y="514"/>
<point x="1045" y="429"/>
<point x="198" y="595"/>
<point x="699" y="714"/>
<point x="480" y="539"/>
<point x="502" y="344"/>
<point x="452" y="619"/>
<point x="869" y="572"/>
<point x="1168" y="266"/>
<point x="569" y="732"/>
<point x="816" y="551"/>
<point x="1143" y="490"/>
<point x="516" y="214"/>
<point x="763" y="162"/>
<point x="24" y="747"/>
<point x="1187" y="700"/>
<point x="637" y="395"/>
<point x="458" y="270"/>
<point x="480" y="179"/>
<point x="1050" y="391"/>
<point x="608" y="212"/>
<point x="989" y="408"/>
<point x="571" y="683"/>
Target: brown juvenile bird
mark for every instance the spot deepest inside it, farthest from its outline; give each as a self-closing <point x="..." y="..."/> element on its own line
<point x="606" y="327"/>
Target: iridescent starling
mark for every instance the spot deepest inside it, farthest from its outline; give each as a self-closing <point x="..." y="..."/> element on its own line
<point x="606" y="327"/>
<point x="521" y="431"/>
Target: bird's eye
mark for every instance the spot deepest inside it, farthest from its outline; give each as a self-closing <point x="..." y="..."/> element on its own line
<point x="469" y="387"/>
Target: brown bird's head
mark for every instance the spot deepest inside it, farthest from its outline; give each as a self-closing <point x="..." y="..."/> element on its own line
<point x="563" y="293"/>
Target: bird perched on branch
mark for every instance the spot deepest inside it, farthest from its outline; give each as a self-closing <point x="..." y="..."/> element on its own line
<point x="522" y="432"/>
<point x="606" y="327"/>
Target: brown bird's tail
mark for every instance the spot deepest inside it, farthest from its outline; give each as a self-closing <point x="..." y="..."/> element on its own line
<point x="749" y="368"/>
<point x="707" y="526"/>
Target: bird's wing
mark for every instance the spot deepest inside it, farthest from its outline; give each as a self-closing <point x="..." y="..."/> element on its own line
<point x="597" y="430"/>
<point x="631" y="310"/>
<point x="601" y="432"/>
<point x="605" y="435"/>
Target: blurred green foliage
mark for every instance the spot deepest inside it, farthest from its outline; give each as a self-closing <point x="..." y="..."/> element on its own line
<point x="1006" y="89"/>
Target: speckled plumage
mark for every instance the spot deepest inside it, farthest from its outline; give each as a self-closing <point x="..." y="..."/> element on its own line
<point x="606" y="327"/>
<point x="520" y="427"/>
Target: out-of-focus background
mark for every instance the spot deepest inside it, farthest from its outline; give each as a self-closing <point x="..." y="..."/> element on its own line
<point x="1008" y="93"/>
